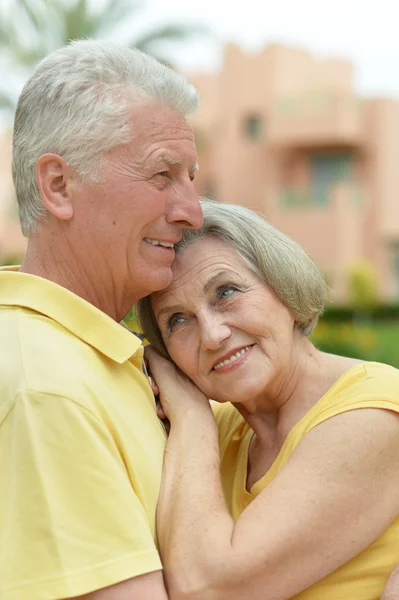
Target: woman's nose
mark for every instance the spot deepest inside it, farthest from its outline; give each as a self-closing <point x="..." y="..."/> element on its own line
<point x="214" y="331"/>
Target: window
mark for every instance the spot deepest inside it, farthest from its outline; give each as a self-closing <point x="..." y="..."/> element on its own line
<point x="326" y="171"/>
<point x="253" y="127"/>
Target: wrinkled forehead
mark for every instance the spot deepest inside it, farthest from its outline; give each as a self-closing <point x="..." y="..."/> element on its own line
<point x="196" y="267"/>
<point x="155" y="118"/>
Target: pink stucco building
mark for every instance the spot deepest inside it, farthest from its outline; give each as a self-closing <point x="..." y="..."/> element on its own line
<point x="284" y="133"/>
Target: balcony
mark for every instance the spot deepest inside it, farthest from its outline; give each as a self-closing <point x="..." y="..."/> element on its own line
<point x="351" y="196"/>
<point x="324" y="120"/>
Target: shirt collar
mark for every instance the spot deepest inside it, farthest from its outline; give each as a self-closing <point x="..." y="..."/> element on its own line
<point x="80" y="317"/>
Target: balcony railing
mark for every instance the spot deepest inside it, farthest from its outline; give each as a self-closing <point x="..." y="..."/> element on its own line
<point x="291" y="198"/>
<point x="316" y="121"/>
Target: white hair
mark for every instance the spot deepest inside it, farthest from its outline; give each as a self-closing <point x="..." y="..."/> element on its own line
<point x="274" y="257"/>
<point x="77" y="104"/>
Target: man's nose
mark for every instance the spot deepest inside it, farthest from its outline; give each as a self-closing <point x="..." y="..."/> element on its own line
<point x="184" y="206"/>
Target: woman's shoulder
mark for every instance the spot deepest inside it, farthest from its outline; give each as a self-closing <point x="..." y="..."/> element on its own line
<point x="372" y="379"/>
<point x="375" y="370"/>
<point x="365" y="385"/>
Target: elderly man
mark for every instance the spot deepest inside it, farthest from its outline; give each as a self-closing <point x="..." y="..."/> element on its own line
<point x="103" y="164"/>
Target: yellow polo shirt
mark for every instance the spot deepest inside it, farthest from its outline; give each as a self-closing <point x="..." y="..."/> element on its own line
<point x="81" y="447"/>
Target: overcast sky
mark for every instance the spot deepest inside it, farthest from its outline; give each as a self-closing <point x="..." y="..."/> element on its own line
<point x="363" y="31"/>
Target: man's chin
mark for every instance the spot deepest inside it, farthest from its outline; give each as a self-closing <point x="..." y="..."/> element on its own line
<point x="162" y="280"/>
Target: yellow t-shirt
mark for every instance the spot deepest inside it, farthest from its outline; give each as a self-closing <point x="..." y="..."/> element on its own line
<point x="81" y="447"/>
<point x="368" y="385"/>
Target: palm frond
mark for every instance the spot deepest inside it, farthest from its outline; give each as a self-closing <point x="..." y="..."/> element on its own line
<point x="7" y="103"/>
<point x="116" y="12"/>
<point x="23" y="32"/>
<point x="78" y="22"/>
<point x="35" y="27"/>
<point x="35" y="12"/>
<point x="7" y="31"/>
<point x="167" y="33"/>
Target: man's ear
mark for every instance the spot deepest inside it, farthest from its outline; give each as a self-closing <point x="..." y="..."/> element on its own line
<point x="55" y="180"/>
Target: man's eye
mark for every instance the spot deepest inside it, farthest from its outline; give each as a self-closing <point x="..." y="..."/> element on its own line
<point x="163" y="173"/>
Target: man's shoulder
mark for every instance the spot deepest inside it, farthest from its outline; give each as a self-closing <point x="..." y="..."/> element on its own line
<point x="39" y="355"/>
<point x="33" y="339"/>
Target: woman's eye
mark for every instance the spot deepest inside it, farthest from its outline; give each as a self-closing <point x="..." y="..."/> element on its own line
<point x="227" y="291"/>
<point x="174" y="321"/>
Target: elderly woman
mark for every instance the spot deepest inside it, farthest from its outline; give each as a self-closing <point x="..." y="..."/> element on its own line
<point x="289" y="487"/>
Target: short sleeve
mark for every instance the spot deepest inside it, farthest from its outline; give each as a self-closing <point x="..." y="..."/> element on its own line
<point x="70" y="522"/>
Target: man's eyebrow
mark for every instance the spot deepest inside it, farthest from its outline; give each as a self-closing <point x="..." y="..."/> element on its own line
<point x="176" y="163"/>
<point x="169" y="160"/>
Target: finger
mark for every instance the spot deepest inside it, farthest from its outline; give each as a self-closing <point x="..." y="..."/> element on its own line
<point x="159" y="366"/>
<point x="149" y="351"/>
<point x="160" y="412"/>
<point x="154" y="387"/>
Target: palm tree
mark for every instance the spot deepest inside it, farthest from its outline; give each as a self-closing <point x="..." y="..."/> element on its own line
<point x="30" y="29"/>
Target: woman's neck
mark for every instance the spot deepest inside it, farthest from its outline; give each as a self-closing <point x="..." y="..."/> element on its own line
<point x="308" y="377"/>
<point x="273" y="419"/>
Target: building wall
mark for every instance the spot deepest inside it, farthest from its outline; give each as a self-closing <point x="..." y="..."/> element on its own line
<point x="288" y="137"/>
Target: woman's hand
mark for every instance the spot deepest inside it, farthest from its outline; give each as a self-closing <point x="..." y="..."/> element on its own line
<point x="177" y="393"/>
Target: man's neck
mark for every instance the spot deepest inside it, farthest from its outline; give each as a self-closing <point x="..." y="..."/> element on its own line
<point x="60" y="264"/>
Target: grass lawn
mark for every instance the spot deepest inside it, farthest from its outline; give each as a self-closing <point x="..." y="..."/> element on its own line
<point x="388" y="342"/>
<point x="372" y="341"/>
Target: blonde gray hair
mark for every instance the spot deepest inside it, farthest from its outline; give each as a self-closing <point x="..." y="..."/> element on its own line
<point x="274" y="257"/>
<point x="77" y="104"/>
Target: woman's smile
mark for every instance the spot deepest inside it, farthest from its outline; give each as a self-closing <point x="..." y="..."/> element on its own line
<point x="233" y="359"/>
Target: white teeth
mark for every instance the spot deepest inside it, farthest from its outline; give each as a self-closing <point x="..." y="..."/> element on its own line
<point x="232" y="358"/>
<point x="159" y="243"/>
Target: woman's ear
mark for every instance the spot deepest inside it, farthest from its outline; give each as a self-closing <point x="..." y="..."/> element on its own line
<point x="55" y="180"/>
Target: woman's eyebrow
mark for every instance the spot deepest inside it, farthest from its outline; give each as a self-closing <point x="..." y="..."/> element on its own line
<point x="214" y="279"/>
<point x="178" y="307"/>
<point x="168" y="309"/>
